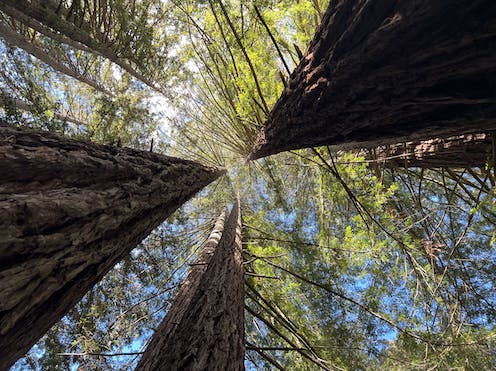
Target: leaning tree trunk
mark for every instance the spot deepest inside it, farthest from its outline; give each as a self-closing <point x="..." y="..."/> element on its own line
<point x="204" y="328"/>
<point x="70" y="211"/>
<point x="41" y="28"/>
<point x="387" y="71"/>
<point x="50" y="14"/>
<point x="13" y="38"/>
<point x="462" y="151"/>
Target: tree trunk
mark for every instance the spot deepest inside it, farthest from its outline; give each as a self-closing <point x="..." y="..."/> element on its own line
<point x="70" y="211"/>
<point x="204" y="328"/>
<point x="45" y="13"/>
<point x="387" y="71"/>
<point x="41" y="28"/>
<point x="462" y="151"/>
<point x="15" y="39"/>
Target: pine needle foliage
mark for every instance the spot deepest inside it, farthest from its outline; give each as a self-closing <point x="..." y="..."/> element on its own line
<point x="350" y="264"/>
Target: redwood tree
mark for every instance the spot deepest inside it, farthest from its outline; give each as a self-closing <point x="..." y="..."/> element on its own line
<point x="387" y="71"/>
<point x="70" y="211"/>
<point x="204" y="328"/>
<point x="461" y="151"/>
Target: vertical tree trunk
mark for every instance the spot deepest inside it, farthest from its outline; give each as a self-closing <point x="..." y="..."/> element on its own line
<point x="387" y="71"/>
<point x="204" y="329"/>
<point x="70" y="211"/>
<point x="462" y="151"/>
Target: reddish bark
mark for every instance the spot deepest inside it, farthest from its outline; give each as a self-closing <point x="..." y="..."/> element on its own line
<point x="70" y="211"/>
<point x="462" y="151"/>
<point x="204" y="329"/>
<point x="387" y="71"/>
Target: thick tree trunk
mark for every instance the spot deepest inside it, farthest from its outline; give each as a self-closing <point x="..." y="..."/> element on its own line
<point x="387" y="71"/>
<point x="462" y="151"/>
<point x="70" y="211"/>
<point x="48" y="14"/>
<point x="41" y="28"/>
<point x="204" y="329"/>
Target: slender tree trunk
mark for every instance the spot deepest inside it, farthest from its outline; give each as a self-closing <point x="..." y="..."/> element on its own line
<point x="204" y="328"/>
<point x="387" y="71"/>
<point x="70" y="211"/>
<point x="462" y="151"/>
<point x="15" y="39"/>
<point x="45" y="13"/>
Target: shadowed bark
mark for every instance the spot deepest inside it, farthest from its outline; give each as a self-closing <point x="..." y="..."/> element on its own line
<point x="70" y="211"/>
<point x="387" y="71"/>
<point x="204" y="328"/>
<point x="462" y="151"/>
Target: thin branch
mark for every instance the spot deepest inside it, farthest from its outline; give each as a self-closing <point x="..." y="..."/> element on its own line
<point x="93" y="354"/>
<point x="245" y="53"/>
<point x="273" y="39"/>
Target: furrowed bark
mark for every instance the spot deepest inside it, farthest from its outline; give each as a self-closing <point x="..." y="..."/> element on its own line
<point x="70" y="211"/>
<point x="204" y="329"/>
<point x="388" y="71"/>
<point x="462" y="151"/>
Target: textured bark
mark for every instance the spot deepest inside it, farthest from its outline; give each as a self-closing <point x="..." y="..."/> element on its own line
<point x="462" y="151"/>
<point x="70" y="211"/>
<point x="50" y="14"/>
<point x="387" y="71"/>
<point x="204" y="329"/>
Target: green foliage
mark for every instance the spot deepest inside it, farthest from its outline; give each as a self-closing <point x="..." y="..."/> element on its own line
<point x="350" y="265"/>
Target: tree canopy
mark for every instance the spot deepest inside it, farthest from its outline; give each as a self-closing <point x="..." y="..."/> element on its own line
<point x="350" y="262"/>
